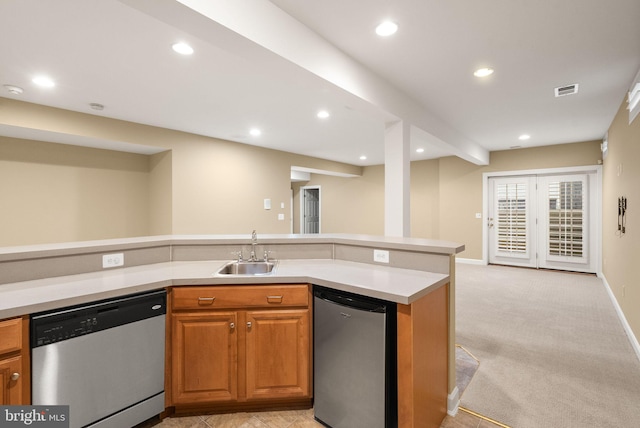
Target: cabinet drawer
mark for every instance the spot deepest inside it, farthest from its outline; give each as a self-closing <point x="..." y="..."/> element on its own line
<point x="212" y="297"/>
<point x="10" y="335"/>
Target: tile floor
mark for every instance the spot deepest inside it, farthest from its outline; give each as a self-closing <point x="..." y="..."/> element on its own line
<point x="281" y="419"/>
<point x="290" y="419"/>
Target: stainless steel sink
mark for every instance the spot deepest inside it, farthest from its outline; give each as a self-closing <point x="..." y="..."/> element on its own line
<point x="247" y="268"/>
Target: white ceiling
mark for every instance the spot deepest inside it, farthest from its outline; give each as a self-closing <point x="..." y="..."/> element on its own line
<point x="274" y="64"/>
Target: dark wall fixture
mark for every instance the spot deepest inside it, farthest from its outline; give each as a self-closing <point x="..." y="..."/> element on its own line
<point x="622" y="219"/>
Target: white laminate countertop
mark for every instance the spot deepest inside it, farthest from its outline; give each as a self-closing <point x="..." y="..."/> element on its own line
<point x="394" y="284"/>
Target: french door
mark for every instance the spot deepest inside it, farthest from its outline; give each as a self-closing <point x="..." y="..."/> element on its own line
<point x="542" y="221"/>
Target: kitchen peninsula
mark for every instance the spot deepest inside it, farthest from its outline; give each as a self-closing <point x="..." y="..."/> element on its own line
<point x="417" y="274"/>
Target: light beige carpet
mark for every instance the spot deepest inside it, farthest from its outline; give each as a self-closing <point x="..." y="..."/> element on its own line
<point x="552" y="350"/>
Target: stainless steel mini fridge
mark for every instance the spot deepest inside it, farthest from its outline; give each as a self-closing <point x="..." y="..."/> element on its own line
<point x="355" y="382"/>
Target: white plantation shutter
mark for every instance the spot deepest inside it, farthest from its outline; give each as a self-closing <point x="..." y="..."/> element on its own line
<point x="512" y="217"/>
<point x="544" y="221"/>
<point x="566" y="219"/>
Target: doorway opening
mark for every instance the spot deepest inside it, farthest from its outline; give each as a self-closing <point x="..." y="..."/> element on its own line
<point x="310" y="209"/>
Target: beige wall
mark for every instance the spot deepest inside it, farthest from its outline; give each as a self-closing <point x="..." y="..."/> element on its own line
<point x="461" y="185"/>
<point x="55" y="192"/>
<point x="196" y="185"/>
<point x="349" y="205"/>
<point x="204" y="185"/>
<point x="425" y="199"/>
<point x="160" y="194"/>
<point x="445" y="193"/>
<point x="621" y="253"/>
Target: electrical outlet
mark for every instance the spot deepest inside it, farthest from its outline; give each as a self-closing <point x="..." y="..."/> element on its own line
<point x="381" y="256"/>
<point x="112" y="260"/>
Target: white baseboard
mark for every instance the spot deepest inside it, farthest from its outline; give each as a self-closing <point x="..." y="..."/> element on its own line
<point x="470" y="261"/>
<point x="453" y="402"/>
<point x="627" y="328"/>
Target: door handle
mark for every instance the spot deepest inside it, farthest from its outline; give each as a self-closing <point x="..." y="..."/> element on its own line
<point x="232" y="325"/>
<point x="15" y="376"/>
<point x="249" y="324"/>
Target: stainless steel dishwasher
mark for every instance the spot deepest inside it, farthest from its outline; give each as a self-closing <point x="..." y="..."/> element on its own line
<point x="105" y="360"/>
<point x="355" y="374"/>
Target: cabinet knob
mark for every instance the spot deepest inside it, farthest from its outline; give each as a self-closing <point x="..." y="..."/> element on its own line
<point x="15" y="376"/>
<point x="249" y="324"/>
<point x="232" y="325"/>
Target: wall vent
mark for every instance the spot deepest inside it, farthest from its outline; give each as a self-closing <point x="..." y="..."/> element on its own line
<point x="561" y="91"/>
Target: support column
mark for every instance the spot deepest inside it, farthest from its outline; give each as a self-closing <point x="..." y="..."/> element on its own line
<point x="397" y="179"/>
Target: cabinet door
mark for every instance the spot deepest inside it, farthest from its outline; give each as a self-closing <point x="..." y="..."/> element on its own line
<point x="204" y="357"/>
<point x="10" y="386"/>
<point x="278" y="354"/>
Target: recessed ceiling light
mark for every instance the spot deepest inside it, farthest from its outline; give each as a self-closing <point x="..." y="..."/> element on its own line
<point x="524" y="137"/>
<point x="483" y="72"/>
<point x="43" y="81"/>
<point x="255" y="132"/>
<point x="386" y="28"/>
<point x="363" y="157"/>
<point x="420" y="150"/>
<point x="15" y="90"/>
<point x="323" y="114"/>
<point x="182" y="48"/>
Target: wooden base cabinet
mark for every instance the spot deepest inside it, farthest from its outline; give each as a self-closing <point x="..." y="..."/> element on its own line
<point x="205" y="357"/>
<point x="277" y="362"/>
<point x="240" y="344"/>
<point x="14" y="362"/>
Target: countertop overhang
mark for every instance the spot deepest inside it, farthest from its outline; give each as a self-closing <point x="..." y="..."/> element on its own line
<point x="402" y="286"/>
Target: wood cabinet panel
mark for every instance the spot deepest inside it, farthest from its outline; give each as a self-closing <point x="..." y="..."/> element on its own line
<point x="10" y="335"/>
<point x="11" y="388"/>
<point x="15" y="380"/>
<point x="204" y="352"/>
<point x="278" y="349"/>
<point x="242" y="296"/>
<point x="423" y="360"/>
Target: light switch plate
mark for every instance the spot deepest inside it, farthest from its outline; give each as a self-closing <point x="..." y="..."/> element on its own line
<point x="112" y="260"/>
<point x="267" y="204"/>
<point x="381" y="256"/>
<point x="478" y="215"/>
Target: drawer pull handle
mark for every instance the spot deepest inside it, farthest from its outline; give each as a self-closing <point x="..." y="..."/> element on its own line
<point x="274" y="299"/>
<point x="206" y="300"/>
<point x="15" y="376"/>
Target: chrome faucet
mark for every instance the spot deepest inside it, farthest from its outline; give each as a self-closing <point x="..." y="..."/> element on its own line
<point x="254" y="243"/>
